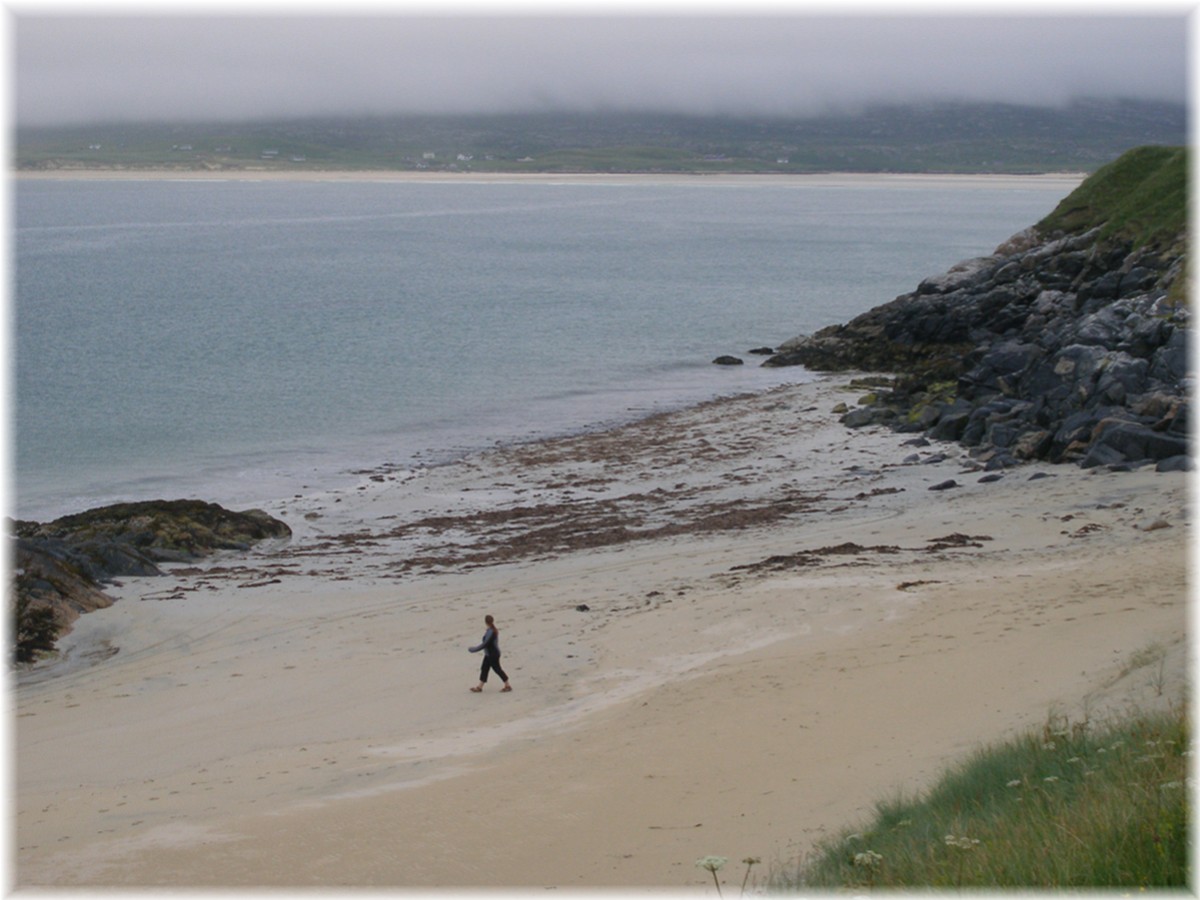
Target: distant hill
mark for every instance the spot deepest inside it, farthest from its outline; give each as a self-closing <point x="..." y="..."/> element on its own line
<point x="946" y="137"/>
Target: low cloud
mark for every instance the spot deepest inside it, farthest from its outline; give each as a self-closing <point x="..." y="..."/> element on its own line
<point x="84" y="68"/>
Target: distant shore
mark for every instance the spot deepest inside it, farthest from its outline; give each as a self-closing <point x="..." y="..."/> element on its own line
<point x="848" y="179"/>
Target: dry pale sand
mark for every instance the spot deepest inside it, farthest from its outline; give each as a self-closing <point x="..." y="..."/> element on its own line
<point x="730" y="630"/>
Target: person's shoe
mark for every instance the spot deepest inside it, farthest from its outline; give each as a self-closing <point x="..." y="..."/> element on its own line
<point x="476" y="690"/>
<point x="507" y="687"/>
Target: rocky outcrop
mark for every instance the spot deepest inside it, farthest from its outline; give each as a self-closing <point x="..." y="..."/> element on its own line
<point x="1067" y="344"/>
<point x="62" y="565"/>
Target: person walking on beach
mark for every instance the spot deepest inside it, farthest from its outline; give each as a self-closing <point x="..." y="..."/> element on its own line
<point x="490" y="645"/>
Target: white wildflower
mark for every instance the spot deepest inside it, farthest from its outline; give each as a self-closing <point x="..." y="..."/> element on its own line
<point x="1050" y="779"/>
<point x="868" y="859"/>
<point x="712" y="863"/>
<point x="1016" y="782"/>
<point x="962" y="842"/>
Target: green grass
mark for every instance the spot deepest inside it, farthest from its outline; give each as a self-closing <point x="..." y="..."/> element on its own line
<point x="1140" y="197"/>
<point x="1068" y="807"/>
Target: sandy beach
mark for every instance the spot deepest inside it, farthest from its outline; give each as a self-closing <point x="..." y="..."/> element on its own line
<point x="1064" y="181"/>
<point x="730" y="630"/>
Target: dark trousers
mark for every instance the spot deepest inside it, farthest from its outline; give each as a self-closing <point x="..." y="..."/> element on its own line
<point x="493" y="663"/>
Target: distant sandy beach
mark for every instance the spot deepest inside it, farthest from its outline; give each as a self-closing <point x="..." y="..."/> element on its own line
<point x="730" y="630"/>
<point x="1067" y="180"/>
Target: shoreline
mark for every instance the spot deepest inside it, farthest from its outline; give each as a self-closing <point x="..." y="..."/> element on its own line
<point x="731" y="629"/>
<point x="379" y="456"/>
<point x="836" y="179"/>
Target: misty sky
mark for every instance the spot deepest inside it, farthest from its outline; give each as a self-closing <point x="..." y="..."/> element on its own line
<point x="87" y="67"/>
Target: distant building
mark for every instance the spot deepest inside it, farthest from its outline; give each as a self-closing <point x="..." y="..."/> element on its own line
<point x="428" y="155"/>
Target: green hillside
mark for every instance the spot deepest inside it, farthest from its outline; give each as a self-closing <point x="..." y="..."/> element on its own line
<point x="1140" y="197"/>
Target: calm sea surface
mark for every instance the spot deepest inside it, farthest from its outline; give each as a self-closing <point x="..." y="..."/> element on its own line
<point x="236" y="341"/>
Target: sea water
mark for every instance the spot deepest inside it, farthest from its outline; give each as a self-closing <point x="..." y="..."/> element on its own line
<point x="243" y="341"/>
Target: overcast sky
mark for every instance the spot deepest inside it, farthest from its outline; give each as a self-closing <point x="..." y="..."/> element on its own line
<point x="73" y="66"/>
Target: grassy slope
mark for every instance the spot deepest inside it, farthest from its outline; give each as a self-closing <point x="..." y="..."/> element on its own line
<point x="1068" y="807"/>
<point x="1141" y="197"/>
